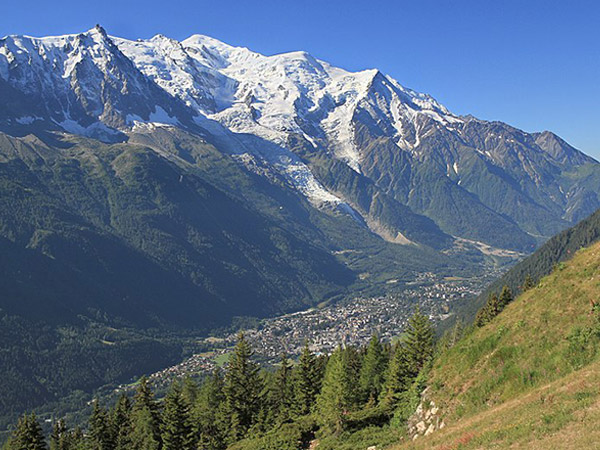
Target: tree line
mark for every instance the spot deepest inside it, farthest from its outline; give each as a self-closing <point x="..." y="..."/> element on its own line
<point x="495" y="303"/>
<point x="247" y="407"/>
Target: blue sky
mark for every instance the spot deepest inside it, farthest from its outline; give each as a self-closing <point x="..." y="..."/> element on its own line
<point x="534" y="64"/>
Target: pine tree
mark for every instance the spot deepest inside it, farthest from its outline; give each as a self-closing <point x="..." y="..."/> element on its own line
<point x="189" y="391"/>
<point x="75" y="440"/>
<point x="493" y="307"/>
<point x="418" y="342"/>
<point x="58" y="437"/>
<point x="481" y="318"/>
<point x="528" y="283"/>
<point x="27" y="435"/>
<point x="210" y="422"/>
<point x="281" y="392"/>
<point x="399" y="376"/>
<point x="100" y="433"/>
<point x="306" y="382"/>
<point x="505" y="298"/>
<point x="332" y="401"/>
<point x="352" y="364"/>
<point x="176" y="427"/>
<point x="145" y="420"/>
<point x="142" y="431"/>
<point x="372" y="372"/>
<point x="144" y="398"/>
<point x="243" y="387"/>
<point x="121" y="423"/>
<point x="490" y="310"/>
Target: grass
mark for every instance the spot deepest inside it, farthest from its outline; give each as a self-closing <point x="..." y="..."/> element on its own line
<point x="530" y="378"/>
<point x="362" y="439"/>
<point x="222" y="359"/>
<point x="561" y="414"/>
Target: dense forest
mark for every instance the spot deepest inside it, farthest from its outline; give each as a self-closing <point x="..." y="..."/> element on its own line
<point x="348" y="395"/>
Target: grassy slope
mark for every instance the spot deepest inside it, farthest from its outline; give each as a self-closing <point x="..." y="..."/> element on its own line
<point x="523" y="380"/>
<point x="559" y="248"/>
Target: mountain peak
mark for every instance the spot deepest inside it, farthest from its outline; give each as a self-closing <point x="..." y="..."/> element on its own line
<point x="92" y="79"/>
<point x="98" y="29"/>
<point x="98" y="35"/>
<point x="198" y="40"/>
<point x="559" y="149"/>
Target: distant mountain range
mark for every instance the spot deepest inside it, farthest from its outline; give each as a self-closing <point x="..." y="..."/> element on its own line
<point x="230" y="182"/>
<point x="165" y="185"/>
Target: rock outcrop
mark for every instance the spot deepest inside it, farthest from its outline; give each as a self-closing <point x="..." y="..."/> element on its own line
<point x="426" y="419"/>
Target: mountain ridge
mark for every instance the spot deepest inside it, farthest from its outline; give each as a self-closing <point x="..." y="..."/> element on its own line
<point x="155" y="187"/>
<point x="412" y="149"/>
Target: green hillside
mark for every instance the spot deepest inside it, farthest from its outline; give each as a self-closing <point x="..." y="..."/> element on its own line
<point x="528" y="379"/>
<point x="559" y="248"/>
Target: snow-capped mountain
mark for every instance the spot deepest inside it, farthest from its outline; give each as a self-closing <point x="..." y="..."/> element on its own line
<point x="394" y="159"/>
<point x="273" y="96"/>
<point x="82" y="83"/>
<point x="153" y="186"/>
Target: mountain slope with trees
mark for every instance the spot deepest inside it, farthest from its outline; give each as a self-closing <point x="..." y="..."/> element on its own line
<point x="527" y="378"/>
<point x="524" y="374"/>
<point x="557" y="250"/>
<point x="328" y="396"/>
<point x="152" y="190"/>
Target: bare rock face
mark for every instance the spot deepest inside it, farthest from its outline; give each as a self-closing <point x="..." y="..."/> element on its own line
<point x="426" y="418"/>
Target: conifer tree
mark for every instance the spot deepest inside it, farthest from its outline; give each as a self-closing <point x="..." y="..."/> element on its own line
<point x="243" y="388"/>
<point x="176" y="427"/>
<point x="281" y="392"/>
<point x="75" y="439"/>
<point x="210" y="422"/>
<point x="266" y="417"/>
<point x="490" y="310"/>
<point x="332" y="401"/>
<point x="352" y="365"/>
<point x="493" y="307"/>
<point x="372" y="372"/>
<point x="189" y="391"/>
<point x="505" y="298"/>
<point x="59" y="436"/>
<point x="399" y="376"/>
<point x="528" y="283"/>
<point x="145" y="420"/>
<point x="121" y="423"/>
<point x="27" y="435"/>
<point x="481" y="316"/>
<point x="142" y="435"/>
<point x="100" y="433"/>
<point x="418" y="343"/>
<point x="306" y="382"/>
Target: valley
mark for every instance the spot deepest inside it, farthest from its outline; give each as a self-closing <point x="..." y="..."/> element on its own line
<point x="350" y="323"/>
<point x="159" y="196"/>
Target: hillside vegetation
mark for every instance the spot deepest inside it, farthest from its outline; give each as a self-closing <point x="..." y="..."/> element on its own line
<point x="529" y="378"/>
<point x="559" y="248"/>
<point x="145" y="243"/>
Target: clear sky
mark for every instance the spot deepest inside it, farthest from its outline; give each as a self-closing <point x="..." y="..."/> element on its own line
<point x="534" y="64"/>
